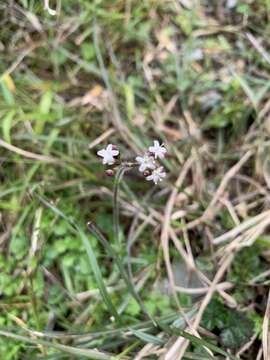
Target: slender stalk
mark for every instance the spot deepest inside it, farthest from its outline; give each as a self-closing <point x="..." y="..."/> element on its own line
<point x="116" y="220"/>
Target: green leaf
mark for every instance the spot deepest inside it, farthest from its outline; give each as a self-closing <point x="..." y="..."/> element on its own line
<point x="88" y="51"/>
<point x="130" y="102"/>
<point x="215" y="315"/>
<point x="147" y="338"/>
<point x="247" y="264"/>
<point x="7" y="124"/>
<point x="44" y="109"/>
<point x="7" y="94"/>
<point x="133" y="308"/>
<point x="45" y="102"/>
<point x="19" y="246"/>
<point x="238" y="332"/>
<point x="234" y="327"/>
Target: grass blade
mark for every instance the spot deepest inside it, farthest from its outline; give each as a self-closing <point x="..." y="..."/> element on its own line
<point x="121" y="268"/>
<point x="90" y="354"/>
<point x="92" y="258"/>
<point x="147" y="338"/>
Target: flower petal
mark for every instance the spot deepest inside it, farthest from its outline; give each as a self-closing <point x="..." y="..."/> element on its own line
<point x="114" y="152"/>
<point x="142" y="168"/>
<point x="139" y="159"/>
<point x="102" y="152"/>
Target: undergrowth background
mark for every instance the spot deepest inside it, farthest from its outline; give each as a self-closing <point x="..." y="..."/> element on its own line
<point x="193" y="74"/>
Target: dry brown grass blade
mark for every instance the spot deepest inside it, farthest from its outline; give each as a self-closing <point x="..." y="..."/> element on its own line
<point x="27" y="154"/>
<point x="247" y="345"/>
<point x="165" y="236"/>
<point x="227" y="177"/>
<point x="23" y="54"/>
<point x="147" y="350"/>
<point x="212" y="288"/>
<point x="248" y="238"/>
<point x="203" y="290"/>
<point x="231" y="210"/>
<point x="241" y="228"/>
<point x="260" y="354"/>
<point x="170" y="204"/>
<point x="167" y="219"/>
<point x="166" y="230"/>
<point x="101" y="138"/>
<point x="213" y="206"/>
<point x="258" y="47"/>
<point x="23" y="325"/>
<point x="190" y="265"/>
<point x="265" y="335"/>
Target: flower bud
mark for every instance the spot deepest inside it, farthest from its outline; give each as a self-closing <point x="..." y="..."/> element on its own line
<point x="167" y="155"/>
<point x="146" y="173"/>
<point x="109" y="172"/>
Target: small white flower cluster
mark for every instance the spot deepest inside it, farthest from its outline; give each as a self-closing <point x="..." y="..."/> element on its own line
<point x="147" y="163"/>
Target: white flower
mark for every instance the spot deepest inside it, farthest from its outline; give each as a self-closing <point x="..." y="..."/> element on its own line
<point x="108" y="155"/>
<point x="231" y="4"/>
<point x="146" y="162"/>
<point x="159" y="151"/>
<point x="47" y="7"/>
<point x="157" y="175"/>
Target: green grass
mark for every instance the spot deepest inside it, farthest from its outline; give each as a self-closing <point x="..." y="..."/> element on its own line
<point x="197" y="79"/>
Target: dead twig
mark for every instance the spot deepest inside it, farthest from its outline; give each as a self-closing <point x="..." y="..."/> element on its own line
<point x="265" y="335"/>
